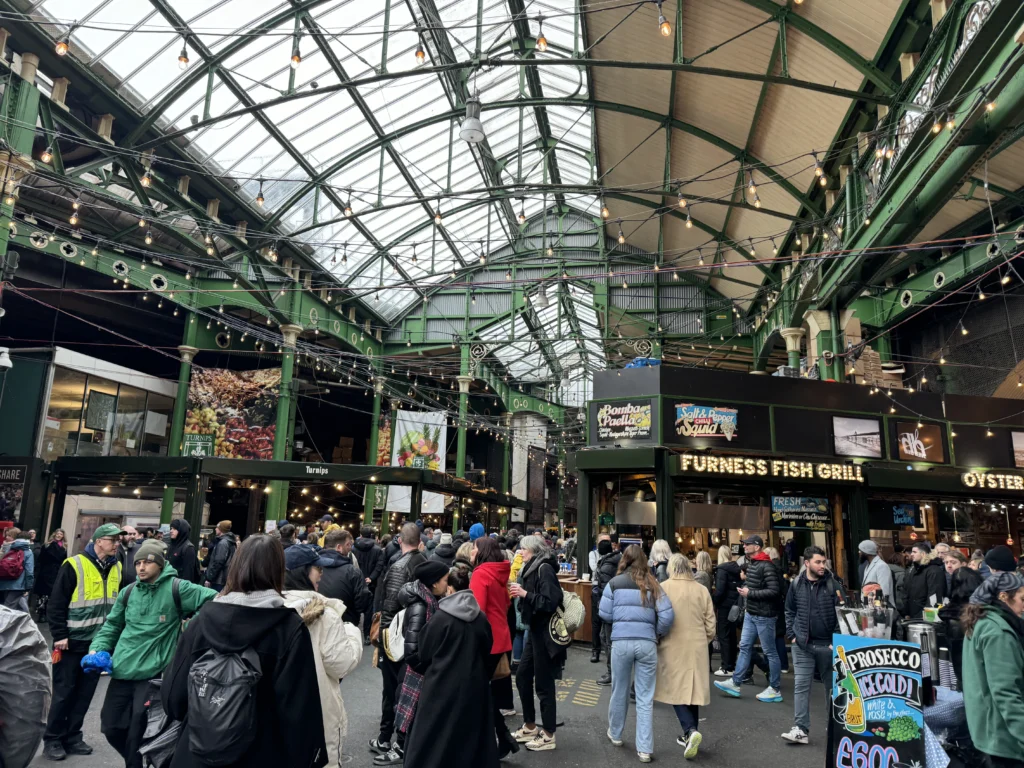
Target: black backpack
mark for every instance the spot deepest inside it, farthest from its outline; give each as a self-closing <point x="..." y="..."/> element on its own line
<point x="222" y="718"/>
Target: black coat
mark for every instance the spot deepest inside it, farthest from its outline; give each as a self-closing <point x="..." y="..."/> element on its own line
<point x="727" y="580"/>
<point x="181" y="553"/>
<point x="220" y="556"/>
<point x="454" y="724"/>
<point x="290" y="728"/>
<point x="51" y="557"/>
<point x="413" y="598"/>
<point x="126" y="557"/>
<point x="398" y="574"/>
<point x="370" y="558"/>
<point x="607" y="568"/>
<point x="806" y="597"/>
<point x="923" y="581"/>
<point x="763" y="581"/>
<point x="444" y="553"/>
<point x="343" y="581"/>
<point x="544" y="595"/>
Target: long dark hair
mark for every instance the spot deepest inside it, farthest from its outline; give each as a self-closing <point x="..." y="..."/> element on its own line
<point x="258" y="565"/>
<point x="634" y="563"/>
<point x="973" y="613"/>
<point x="488" y="551"/>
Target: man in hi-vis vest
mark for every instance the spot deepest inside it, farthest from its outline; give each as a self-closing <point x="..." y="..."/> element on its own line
<point x="83" y="594"/>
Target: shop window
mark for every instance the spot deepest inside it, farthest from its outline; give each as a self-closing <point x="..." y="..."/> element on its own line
<point x="98" y="421"/>
<point x="63" y="414"/>
<point x="157" y="425"/>
<point x="129" y="421"/>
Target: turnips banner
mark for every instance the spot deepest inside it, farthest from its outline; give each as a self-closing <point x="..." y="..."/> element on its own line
<point x="232" y="413"/>
<point x="419" y="441"/>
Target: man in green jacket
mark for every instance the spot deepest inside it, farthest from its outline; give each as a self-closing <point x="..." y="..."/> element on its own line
<point x="142" y="633"/>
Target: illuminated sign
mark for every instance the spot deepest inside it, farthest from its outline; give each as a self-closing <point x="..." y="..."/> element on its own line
<point x="627" y="421"/>
<point x="993" y="481"/>
<point x="705" y="421"/>
<point x="748" y="467"/>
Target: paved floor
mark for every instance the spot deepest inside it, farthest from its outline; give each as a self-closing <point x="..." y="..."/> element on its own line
<point x="736" y="731"/>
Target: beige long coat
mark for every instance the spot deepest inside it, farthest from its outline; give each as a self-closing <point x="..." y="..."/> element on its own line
<point x="683" y="664"/>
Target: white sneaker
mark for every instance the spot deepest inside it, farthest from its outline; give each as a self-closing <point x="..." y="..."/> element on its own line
<point x="729" y="687"/>
<point x="796" y="735"/>
<point x="645" y="757"/>
<point x="613" y="740"/>
<point x="722" y="673"/>
<point x="541" y="742"/>
<point x="524" y="734"/>
<point x="507" y="712"/>
<point x="770" y="695"/>
<point x="692" y="744"/>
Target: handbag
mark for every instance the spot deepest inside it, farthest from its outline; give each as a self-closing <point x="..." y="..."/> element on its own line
<point x="375" y="630"/>
<point x="394" y="640"/>
<point x="736" y="611"/>
<point x="503" y="669"/>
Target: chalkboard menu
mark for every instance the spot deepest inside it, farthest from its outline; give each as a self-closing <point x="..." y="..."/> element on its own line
<point x="801" y="512"/>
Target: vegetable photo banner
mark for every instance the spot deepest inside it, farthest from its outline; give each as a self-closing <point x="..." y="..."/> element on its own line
<point x="420" y="442"/>
<point x="237" y="410"/>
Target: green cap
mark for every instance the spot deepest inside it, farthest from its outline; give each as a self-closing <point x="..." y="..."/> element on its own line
<point x="105" y="530"/>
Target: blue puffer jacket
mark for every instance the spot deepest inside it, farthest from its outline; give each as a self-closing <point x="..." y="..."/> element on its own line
<point x="630" y="620"/>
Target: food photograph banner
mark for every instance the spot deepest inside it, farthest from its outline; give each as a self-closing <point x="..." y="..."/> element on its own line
<point x="419" y="441"/>
<point x="382" y="459"/>
<point x="237" y="408"/>
<point x="809" y="513"/>
<point x="877" y="718"/>
<point x="705" y="421"/>
<point x="624" y="420"/>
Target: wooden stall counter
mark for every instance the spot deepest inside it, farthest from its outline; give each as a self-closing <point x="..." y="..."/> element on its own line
<point x="583" y="589"/>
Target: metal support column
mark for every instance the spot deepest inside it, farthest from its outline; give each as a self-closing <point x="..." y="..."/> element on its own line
<point x="792" y="337"/>
<point x="416" y="502"/>
<point x="277" y="504"/>
<point x="665" y="513"/>
<point x="195" y="496"/>
<point x="385" y="521"/>
<point x="584" y="524"/>
<point x="187" y="352"/>
<point x="464" y="381"/>
<point x="371" y="490"/>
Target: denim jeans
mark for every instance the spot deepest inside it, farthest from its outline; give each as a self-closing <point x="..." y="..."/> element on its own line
<point x="688" y="716"/>
<point x="762" y="627"/>
<point x="518" y="641"/>
<point x="627" y="656"/>
<point x="804" y="663"/>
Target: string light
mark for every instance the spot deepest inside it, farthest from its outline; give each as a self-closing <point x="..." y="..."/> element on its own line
<point x="146" y="180"/>
<point x="542" y="42"/>
<point x="751" y="186"/>
<point x="47" y="155"/>
<point x="663" y="25"/>
<point x="689" y="221"/>
<point x="259" y="195"/>
<point x="621" y="238"/>
<point x="183" y="56"/>
<point x="149" y="237"/>
<point x="296" y="55"/>
<point x="63" y="44"/>
<point x="605" y="213"/>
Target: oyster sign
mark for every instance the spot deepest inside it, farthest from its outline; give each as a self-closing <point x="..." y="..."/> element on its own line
<point x="706" y="421"/>
<point x="624" y="420"/>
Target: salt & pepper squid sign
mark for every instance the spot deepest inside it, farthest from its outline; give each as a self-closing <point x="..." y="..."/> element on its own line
<point x="992" y="480"/>
<point x="750" y="467"/>
<point x="706" y="421"/>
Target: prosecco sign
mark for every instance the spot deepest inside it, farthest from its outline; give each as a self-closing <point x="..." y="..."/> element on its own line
<point x="749" y="467"/>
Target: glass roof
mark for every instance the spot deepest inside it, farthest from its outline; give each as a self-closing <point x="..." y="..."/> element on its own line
<point x="384" y="146"/>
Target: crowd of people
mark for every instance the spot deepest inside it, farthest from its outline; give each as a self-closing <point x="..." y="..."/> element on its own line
<point x="459" y="620"/>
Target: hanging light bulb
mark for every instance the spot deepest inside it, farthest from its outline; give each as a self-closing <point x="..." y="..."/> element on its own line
<point x="210" y="250"/>
<point x="1005" y="279"/>
<point x="348" y="207"/>
<point x="63" y="44"/>
<point x="508" y="274"/>
<point x="981" y="296"/>
<point x="146" y="180"/>
<point x="47" y="155"/>
<point x="889" y="153"/>
<point x="542" y="42"/>
<point x="700" y="258"/>
<point x="522" y="211"/>
<point x="879" y="152"/>
<point x="775" y="248"/>
<point x="751" y="186"/>
<point x="990" y="106"/>
<point x="142" y="222"/>
<point x="183" y="56"/>
<point x="937" y="125"/>
<point x="689" y="221"/>
<point x="12" y="197"/>
<point x="272" y="253"/>
<point x="149" y="237"/>
<point x="437" y="214"/>
<point x="823" y="181"/>
<point x="682" y="200"/>
<point x="663" y="25"/>
<point x="73" y="220"/>
<point x="757" y="201"/>
<point x="818" y="170"/>
<point x="296" y="55"/>
<point x="622" y="237"/>
<point x="605" y="213"/>
<point x="963" y="330"/>
<point x="421" y="56"/>
<point x="259" y="195"/>
<point x="753" y="250"/>
<point x="950" y="122"/>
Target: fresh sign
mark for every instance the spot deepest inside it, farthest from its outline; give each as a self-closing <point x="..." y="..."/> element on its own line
<point x="805" y="512"/>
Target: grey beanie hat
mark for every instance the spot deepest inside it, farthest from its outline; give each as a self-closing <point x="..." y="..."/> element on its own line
<point x="868" y="547"/>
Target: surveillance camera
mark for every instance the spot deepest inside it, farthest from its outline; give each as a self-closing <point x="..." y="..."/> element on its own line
<point x="5" y="359"/>
<point x="194" y="119"/>
<point x="314" y="85"/>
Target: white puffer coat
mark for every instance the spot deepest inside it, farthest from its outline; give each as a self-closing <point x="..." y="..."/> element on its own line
<point x="337" y="648"/>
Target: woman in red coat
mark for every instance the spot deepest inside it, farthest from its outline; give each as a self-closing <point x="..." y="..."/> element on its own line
<point x="489" y="585"/>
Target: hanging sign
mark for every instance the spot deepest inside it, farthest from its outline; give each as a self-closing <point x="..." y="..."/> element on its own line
<point x="197" y="445"/>
<point x="12" y="490"/>
<point x="920" y="442"/>
<point x="706" y="421"/>
<point x="238" y="409"/>
<point x="804" y="512"/>
<point x="886" y="515"/>
<point x="418" y="442"/>
<point x="795" y="470"/>
<point x="624" y="421"/>
<point x="877" y="717"/>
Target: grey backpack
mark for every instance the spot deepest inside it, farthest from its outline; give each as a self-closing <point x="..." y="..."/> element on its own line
<point x="222" y="705"/>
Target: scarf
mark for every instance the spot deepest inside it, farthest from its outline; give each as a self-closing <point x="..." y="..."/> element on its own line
<point x="266" y="598"/>
<point x="412" y="682"/>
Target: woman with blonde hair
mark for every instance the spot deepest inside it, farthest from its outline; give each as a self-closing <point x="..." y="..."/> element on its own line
<point x="660" y="553"/>
<point x="725" y="597"/>
<point x="464" y="555"/>
<point x="683" y="662"/>
<point x="639" y="612"/>
<point x="705" y="570"/>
